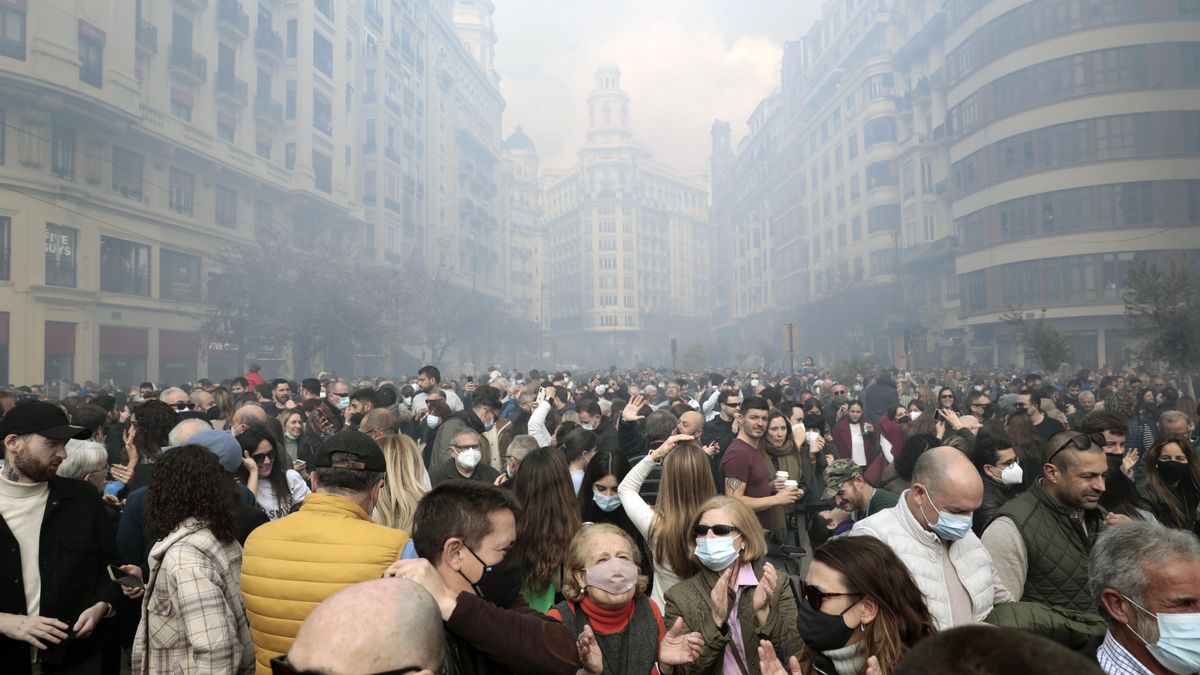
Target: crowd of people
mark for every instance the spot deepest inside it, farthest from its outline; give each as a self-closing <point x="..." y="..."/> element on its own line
<point x="644" y="522"/>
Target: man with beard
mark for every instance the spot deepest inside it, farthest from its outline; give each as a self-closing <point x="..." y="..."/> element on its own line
<point x="1029" y="402"/>
<point x="1041" y="539"/>
<point x="748" y="476"/>
<point x="56" y="540"/>
<point x="281" y="397"/>
<point x="362" y="401"/>
<point x="1120" y="495"/>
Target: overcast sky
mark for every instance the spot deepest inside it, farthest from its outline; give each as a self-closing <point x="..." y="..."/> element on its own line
<point x="684" y="63"/>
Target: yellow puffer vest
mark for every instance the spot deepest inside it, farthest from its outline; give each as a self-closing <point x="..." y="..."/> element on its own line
<point x="290" y="565"/>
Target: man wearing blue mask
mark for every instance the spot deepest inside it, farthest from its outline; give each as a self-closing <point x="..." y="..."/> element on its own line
<point x="930" y="531"/>
<point x="1145" y="578"/>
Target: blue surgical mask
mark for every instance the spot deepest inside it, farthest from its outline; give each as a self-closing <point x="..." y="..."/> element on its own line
<point x="716" y="553"/>
<point x="605" y="502"/>
<point x="1178" y="645"/>
<point x="343" y="403"/>
<point x="950" y="526"/>
<point x="489" y="426"/>
<point x="587" y="427"/>
<point x="432" y="421"/>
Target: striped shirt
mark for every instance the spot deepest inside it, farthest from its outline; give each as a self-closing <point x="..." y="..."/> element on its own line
<point x="1116" y="660"/>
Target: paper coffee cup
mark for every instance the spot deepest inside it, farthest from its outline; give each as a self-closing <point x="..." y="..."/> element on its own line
<point x="790" y="484"/>
<point x="781" y="474"/>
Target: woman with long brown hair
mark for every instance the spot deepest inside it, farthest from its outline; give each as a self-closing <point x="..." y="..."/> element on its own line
<point x="686" y="483"/>
<point x="549" y="520"/>
<point x="150" y="424"/>
<point x="1173" y="482"/>
<point x="1028" y="446"/>
<point x="858" y="604"/>
<point x="783" y="452"/>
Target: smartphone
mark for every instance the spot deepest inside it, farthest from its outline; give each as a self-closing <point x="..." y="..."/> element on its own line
<point x="470" y="378"/>
<point x="120" y="576"/>
<point x="299" y="464"/>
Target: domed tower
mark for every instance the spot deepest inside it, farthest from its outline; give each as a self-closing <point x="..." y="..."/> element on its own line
<point x="475" y="27"/>
<point x="608" y="110"/>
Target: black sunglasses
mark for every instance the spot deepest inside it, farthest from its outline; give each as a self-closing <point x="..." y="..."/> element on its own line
<point x="1081" y="441"/>
<point x="719" y="530"/>
<point x="183" y="406"/>
<point x="946" y="396"/>
<point x="259" y="459"/>
<point x="815" y="597"/>
<point x="280" y="666"/>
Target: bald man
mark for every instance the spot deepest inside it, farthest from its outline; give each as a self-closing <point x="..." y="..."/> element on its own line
<point x="180" y="433"/>
<point x="384" y="625"/>
<point x="930" y="531"/>
<point x="691" y="423"/>
<point x="246" y="416"/>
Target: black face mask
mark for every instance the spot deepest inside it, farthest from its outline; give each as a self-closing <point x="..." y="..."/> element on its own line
<point x="213" y="414"/>
<point x="356" y="419"/>
<point x="1172" y="472"/>
<point x="1114" y="462"/>
<point x="500" y="583"/>
<point x="822" y="632"/>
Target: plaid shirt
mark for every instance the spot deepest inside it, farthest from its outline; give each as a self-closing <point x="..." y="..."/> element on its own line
<point x="1116" y="660"/>
<point x="193" y="619"/>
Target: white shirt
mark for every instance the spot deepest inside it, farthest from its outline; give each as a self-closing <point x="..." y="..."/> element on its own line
<point x="1114" y="659"/>
<point x="577" y="480"/>
<point x="269" y="503"/>
<point x="858" y="451"/>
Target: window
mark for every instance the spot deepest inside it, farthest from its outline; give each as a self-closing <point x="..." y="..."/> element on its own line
<point x="854" y="188"/>
<point x="5" y="248"/>
<point x="62" y="157"/>
<point x="263" y="213"/>
<point x="3" y="129"/>
<point x="181" y="188"/>
<point x="879" y="130"/>
<point x="322" y="172"/>
<point x="368" y="186"/>
<point x="293" y="37"/>
<point x="930" y="232"/>
<point x="12" y="32"/>
<point x="880" y="174"/>
<point x="91" y="58"/>
<point x="289" y="155"/>
<point x="856" y="228"/>
<point x="841" y="235"/>
<point x="322" y="54"/>
<point x="178" y="276"/>
<point x="322" y="113"/>
<point x="852" y="145"/>
<point x="226" y="212"/>
<point x="127" y="173"/>
<point x="884" y="218"/>
<point x="124" y="267"/>
<point x="60" y="255"/>
<point x="224" y="131"/>
<point x="262" y="145"/>
<point x="181" y="109"/>
<point x="927" y="176"/>
<point x="289" y="97"/>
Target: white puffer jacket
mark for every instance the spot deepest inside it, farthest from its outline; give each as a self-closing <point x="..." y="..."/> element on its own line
<point x="922" y="551"/>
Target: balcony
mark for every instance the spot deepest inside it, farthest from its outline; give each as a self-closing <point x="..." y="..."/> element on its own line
<point x="269" y="44"/>
<point x="231" y="90"/>
<point x="268" y="110"/>
<point x="232" y="19"/>
<point x="147" y="38"/>
<point x="188" y="64"/>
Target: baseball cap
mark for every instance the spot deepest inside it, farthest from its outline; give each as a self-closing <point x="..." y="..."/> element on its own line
<point x="353" y="442"/>
<point x="838" y="472"/>
<point x="40" y="417"/>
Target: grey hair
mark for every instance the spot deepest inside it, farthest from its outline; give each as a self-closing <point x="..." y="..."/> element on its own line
<point x="463" y="432"/>
<point x="1087" y="394"/>
<point x="83" y="457"/>
<point x="171" y="390"/>
<point x="180" y="433"/>
<point x="1121" y="552"/>
<point x="1172" y="416"/>
<point x="520" y="446"/>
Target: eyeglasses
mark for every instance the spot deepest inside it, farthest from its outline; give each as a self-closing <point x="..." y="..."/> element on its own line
<point x="947" y="396"/>
<point x="839" y="393"/>
<point x="280" y="666"/>
<point x="466" y="447"/>
<point x="183" y="406"/>
<point x="979" y="405"/>
<point x="719" y="530"/>
<point x="259" y="459"/>
<point x="815" y="597"/>
<point x="1081" y="441"/>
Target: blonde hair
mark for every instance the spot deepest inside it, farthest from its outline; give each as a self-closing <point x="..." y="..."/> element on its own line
<point x="686" y="483"/>
<point x="577" y="557"/>
<point x="404" y="485"/>
<point x="743" y="519"/>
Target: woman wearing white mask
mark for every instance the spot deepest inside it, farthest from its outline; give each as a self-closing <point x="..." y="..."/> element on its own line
<point x="618" y="629"/>
<point x="736" y="599"/>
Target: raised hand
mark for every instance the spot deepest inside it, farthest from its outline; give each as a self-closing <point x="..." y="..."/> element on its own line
<point x="769" y="663"/>
<point x="589" y="651"/>
<point x="677" y="647"/>
<point x="630" y="412"/>
<point x="1129" y="462"/>
<point x="764" y="593"/>
<point x="720" y="597"/>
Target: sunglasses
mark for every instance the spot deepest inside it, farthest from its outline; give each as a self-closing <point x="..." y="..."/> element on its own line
<point x="259" y="459"/>
<point x="183" y="406"/>
<point x="947" y="396"/>
<point x="1081" y="441"/>
<point x="839" y="393"/>
<point x="815" y="597"/>
<point x="280" y="666"/>
<point x="719" y="530"/>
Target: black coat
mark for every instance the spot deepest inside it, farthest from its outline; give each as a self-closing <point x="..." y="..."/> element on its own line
<point x="76" y="545"/>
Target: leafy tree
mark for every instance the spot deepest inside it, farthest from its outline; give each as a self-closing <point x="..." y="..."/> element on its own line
<point x="1163" y="310"/>
<point x="1045" y="344"/>
<point x="694" y="358"/>
<point x="311" y="288"/>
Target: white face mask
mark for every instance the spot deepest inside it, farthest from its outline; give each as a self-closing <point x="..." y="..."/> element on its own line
<point x="468" y="459"/>
<point x="1012" y="474"/>
<point x="753" y="383"/>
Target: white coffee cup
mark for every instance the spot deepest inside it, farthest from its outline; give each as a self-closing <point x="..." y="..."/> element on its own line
<point x="781" y="475"/>
<point x="790" y="483"/>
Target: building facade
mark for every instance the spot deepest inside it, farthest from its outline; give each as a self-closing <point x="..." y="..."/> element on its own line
<point x="628" y="245"/>
<point x="129" y="166"/>
<point x="526" y="232"/>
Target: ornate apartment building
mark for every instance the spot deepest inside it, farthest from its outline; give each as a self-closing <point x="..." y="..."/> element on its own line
<point x="128" y="165"/>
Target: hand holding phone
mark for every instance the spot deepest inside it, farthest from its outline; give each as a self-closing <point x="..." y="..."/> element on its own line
<point x="123" y="578"/>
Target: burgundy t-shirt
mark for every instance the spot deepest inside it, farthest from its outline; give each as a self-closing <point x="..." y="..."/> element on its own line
<point x="746" y="463"/>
